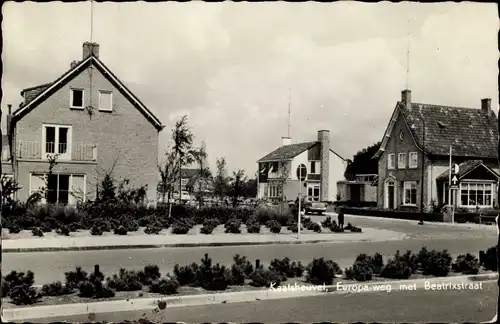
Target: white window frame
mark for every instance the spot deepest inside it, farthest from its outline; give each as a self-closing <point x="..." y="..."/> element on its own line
<point x="467" y="184"/>
<point x="65" y="156"/>
<point x="401" y="160"/>
<point x="70" y="186"/>
<point x="407" y="185"/>
<point x="389" y="166"/>
<point x="410" y="164"/>
<point x="110" y="99"/>
<point x="71" y="98"/>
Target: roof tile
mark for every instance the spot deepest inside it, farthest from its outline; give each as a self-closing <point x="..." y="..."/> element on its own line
<point x="287" y="152"/>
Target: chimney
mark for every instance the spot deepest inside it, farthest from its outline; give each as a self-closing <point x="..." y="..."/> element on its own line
<point x="9" y="117"/>
<point x="324" y="139"/>
<point x="89" y="49"/>
<point x="286" y="141"/>
<point x="73" y="64"/>
<point x="486" y="105"/>
<point x="406" y="98"/>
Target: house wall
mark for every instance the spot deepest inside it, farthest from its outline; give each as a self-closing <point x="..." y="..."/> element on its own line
<point x="127" y="142"/>
<point x="396" y="145"/>
<point x="302" y="158"/>
<point x="337" y="168"/>
<point x="7" y="168"/>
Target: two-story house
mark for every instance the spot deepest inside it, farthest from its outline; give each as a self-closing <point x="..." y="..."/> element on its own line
<point x="425" y="133"/>
<point x="93" y="123"/>
<point x="278" y="170"/>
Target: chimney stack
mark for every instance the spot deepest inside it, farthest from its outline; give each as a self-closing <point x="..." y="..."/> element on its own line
<point x="486" y="105"/>
<point x="286" y="141"/>
<point x="324" y="139"/>
<point x="406" y="98"/>
<point x="89" y="49"/>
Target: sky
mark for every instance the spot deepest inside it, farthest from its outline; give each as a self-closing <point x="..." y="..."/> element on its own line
<point x="235" y="68"/>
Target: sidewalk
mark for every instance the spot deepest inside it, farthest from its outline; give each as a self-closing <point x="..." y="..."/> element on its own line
<point x="409" y="221"/>
<point x="110" y="241"/>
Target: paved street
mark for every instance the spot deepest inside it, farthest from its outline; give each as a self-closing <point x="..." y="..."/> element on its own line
<point x="455" y="306"/>
<point x="50" y="266"/>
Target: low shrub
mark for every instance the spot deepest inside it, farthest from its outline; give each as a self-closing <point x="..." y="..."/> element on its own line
<point x="95" y="289"/>
<point x="152" y="229"/>
<point x="233" y="226"/>
<point x="120" y="230"/>
<point x="294" y="227"/>
<point x="412" y="260"/>
<point x="328" y="222"/>
<point x="14" y="279"/>
<point x="274" y="226"/>
<point x="186" y="275"/>
<point x="336" y="229"/>
<point x="396" y="268"/>
<point x="181" y="227"/>
<point x="14" y="229"/>
<point x="56" y="289"/>
<point x="287" y="268"/>
<point x="75" y="278"/>
<point x="320" y="271"/>
<point x="37" y="231"/>
<point x="64" y="230"/>
<point x="466" y="264"/>
<point x="96" y="230"/>
<point x="241" y="269"/>
<point x="375" y="262"/>
<point x="306" y="222"/>
<point x="438" y="264"/>
<point x="353" y="228"/>
<point x="24" y="294"/>
<point x="264" y="214"/>
<point x="207" y="229"/>
<point x="314" y="227"/>
<point x="212" y="277"/>
<point x="253" y="228"/>
<point x="149" y="274"/>
<point x="73" y="227"/>
<point x="360" y="271"/>
<point x="125" y="280"/>
<point x="489" y="259"/>
<point x="265" y="278"/>
<point x="165" y="286"/>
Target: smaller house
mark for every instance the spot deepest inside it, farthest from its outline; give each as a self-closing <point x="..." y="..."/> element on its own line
<point x="192" y="181"/>
<point x="278" y="177"/>
<point x="362" y="189"/>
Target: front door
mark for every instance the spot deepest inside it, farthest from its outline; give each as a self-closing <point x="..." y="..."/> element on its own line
<point x="391" y="195"/>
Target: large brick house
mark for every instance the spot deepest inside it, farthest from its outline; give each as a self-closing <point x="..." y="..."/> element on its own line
<point x="423" y="131"/>
<point x="277" y="170"/>
<point x="93" y="123"/>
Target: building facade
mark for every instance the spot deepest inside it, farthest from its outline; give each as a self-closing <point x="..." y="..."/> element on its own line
<point x="93" y="124"/>
<point x="278" y="177"/>
<point x="417" y="145"/>
<point x="362" y="189"/>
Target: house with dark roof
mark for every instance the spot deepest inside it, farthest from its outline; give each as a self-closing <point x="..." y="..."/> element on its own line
<point x="278" y="177"/>
<point x="92" y="123"/>
<point x="418" y="141"/>
<point x="192" y="180"/>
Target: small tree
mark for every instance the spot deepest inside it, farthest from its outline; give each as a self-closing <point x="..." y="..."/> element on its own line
<point x="44" y="193"/>
<point x="250" y="188"/>
<point x="221" y="182"/>
<point x="107" y="191"/>
<point x="283" y="176"/>
<point x="200" y="155"/>
<point x="183" y="141"/>
<point x="237" y="186"/>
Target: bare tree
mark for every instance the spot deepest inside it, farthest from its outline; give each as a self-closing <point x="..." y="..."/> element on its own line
<point x="168" y="176"/>
<point x="183" y="141"/>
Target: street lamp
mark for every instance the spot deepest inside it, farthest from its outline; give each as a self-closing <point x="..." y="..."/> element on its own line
<point x="422" y="177"/>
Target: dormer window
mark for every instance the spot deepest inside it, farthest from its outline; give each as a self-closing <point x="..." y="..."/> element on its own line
<point x="76" y="98"/>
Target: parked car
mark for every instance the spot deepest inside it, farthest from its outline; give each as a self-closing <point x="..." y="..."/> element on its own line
<point x="311" y="206"/>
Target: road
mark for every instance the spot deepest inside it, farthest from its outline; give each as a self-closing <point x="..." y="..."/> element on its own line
<point x="452" y="306"/>
<point x="50" y="266"/>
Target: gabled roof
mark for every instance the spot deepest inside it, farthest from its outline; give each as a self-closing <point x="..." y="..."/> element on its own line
<point x="466" y="168"/>
<point x="189" y="173"/>
<point x="36" y="95"/>
<point x="287" y="152"/>
<point x="471" y="132"/>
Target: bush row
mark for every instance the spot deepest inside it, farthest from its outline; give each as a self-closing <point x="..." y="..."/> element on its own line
<point x="216" y="277"/>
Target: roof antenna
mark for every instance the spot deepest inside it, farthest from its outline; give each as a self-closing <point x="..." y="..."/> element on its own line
<point x="91" y="20"/>
<point x="289" y="110"/>
<point x="407" y="84"/>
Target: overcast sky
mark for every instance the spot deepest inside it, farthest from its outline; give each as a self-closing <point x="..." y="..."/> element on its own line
<point x="229" y="66"/>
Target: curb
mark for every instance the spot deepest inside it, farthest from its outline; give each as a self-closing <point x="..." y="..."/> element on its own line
<point x="47" y="311"/>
